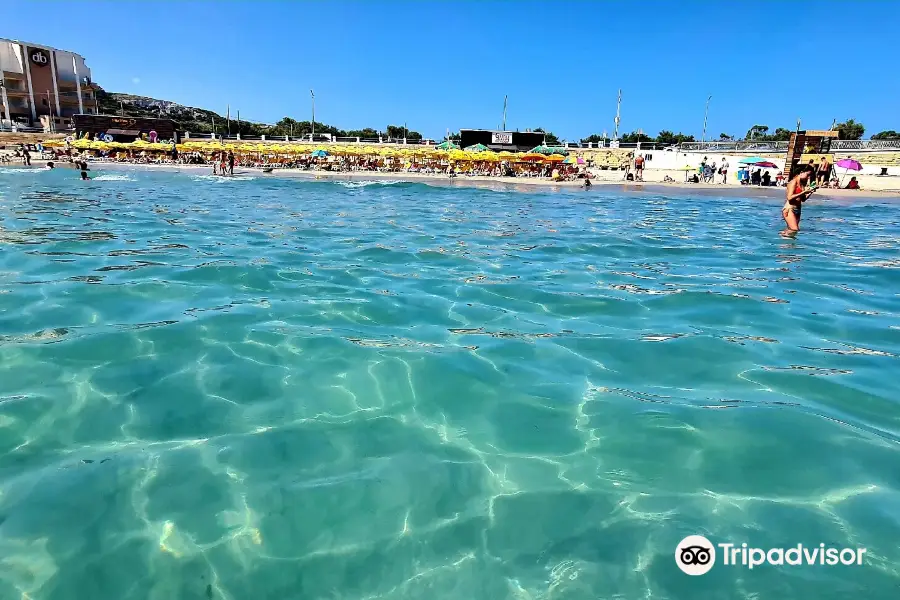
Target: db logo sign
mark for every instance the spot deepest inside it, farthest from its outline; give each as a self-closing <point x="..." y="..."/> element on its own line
<point x="39" y="57"/>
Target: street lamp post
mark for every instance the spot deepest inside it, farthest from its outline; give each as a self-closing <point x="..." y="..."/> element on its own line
<point x="705" y="116"/>
<point x="312" y="137"/>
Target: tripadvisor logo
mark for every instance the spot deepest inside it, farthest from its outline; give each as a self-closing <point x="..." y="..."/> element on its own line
<point x="696" y="555"/>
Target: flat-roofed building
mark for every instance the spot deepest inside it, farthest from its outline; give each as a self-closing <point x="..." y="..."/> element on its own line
<point x="39" y="81"/>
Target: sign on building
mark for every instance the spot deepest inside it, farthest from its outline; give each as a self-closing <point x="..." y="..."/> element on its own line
<point x="501" y="137"/>
<point x="39" y="57"/>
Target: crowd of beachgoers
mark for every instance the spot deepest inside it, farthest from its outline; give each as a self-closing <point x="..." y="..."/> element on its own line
<point x="457" y="163"/>
<point x="223" y="163"/>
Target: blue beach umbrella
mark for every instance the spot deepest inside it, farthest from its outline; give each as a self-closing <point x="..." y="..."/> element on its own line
<point x="319" y="153"/>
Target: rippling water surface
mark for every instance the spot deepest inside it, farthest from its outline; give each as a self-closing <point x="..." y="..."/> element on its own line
<point x="259" y="388"/>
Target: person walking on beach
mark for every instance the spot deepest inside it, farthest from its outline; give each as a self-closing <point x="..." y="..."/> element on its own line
<point x="26" y="156"/>
<point x="723" y="170"/>
<point x="230" y="162"/>
<point x="797" y="194"/>
<point x="823" y="175"/>
<point x="639" y="167"/>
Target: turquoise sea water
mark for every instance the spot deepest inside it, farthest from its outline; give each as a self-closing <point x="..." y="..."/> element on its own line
<point x="254" y="388"/>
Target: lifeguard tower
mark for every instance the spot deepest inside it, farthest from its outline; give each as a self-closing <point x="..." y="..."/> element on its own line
<point x="808" y="145"/>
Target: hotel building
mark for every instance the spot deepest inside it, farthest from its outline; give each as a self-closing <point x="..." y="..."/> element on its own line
<point x="39" y="84"/>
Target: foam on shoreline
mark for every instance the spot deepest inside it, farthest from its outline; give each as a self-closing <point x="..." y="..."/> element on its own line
<point x="522" y="184"/>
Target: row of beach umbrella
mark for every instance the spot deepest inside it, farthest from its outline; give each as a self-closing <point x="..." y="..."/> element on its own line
<point x="477" y="152"/>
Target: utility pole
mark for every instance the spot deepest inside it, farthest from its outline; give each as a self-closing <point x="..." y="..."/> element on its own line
<point x="50" y="108"/>
<point x="505" y="98"/>
<point x="121" y="108"/>
<point x="312" y="95"/>
<point x="239" y="121"/>
<point x="3" y="97"/>
<point x="618" y="106"/>
<point x="228" y="118"/>
<point x="705" y="116"/>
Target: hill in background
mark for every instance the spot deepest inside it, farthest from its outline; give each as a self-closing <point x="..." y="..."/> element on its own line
<point x="188" y="118"/>
<point x="200" y="120"/>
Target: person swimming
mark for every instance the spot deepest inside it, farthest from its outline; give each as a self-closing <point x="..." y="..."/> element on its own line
<point x="797" y="194"/>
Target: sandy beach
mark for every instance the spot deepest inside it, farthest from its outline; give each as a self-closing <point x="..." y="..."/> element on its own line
<point x="603" y="179"/>
<point x="654" y="179"/>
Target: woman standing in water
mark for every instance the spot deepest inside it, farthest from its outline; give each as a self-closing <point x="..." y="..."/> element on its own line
<point x="797" y="193"/>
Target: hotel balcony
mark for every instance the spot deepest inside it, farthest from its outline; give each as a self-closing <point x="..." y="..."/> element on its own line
<point x="15" y="91"/>
<point x="19" y="108"/>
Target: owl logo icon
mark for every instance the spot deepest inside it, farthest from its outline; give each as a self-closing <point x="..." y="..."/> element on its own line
<point x="695" y="555"/>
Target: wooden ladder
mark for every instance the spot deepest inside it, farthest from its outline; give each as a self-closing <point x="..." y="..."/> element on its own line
<point x="794" y="152"/>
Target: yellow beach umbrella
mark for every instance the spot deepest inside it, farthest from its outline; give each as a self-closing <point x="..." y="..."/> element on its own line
<point x="555" y="158"/>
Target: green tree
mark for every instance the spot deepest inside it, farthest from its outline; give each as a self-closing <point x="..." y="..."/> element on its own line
<point x="850" y="130"/>
<point x="288" y="126"/>
<point x="757" y="132"/>
<point x="781" y="135"/>
<point x="724" y="137"/>
<point x="283" y="127"/>
<point x="399" y="132"/>
<point x="670" y="139"/>
<point x="595" y="138"/>
<point x="549" y="138"/>
<point x="367" y="133"/>
<point x="396" y="131"/>
<point x="888" y="134"/>
<point x="634" y="137"/>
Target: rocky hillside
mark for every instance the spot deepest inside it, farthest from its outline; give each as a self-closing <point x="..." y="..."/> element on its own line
<point x="188" y="118"/>
<point x="200" y="120"/>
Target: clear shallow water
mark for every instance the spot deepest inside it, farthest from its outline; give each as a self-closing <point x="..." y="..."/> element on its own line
<point x="258" y="388"/>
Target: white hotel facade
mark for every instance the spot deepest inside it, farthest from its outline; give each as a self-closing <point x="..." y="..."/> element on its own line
<point x="40" y="84"/>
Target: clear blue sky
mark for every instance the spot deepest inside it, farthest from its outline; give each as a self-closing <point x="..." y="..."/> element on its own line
<point x="439" y="65"/>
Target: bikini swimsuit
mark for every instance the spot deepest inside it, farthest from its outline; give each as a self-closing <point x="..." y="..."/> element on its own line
<point x="795" y="208"/>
